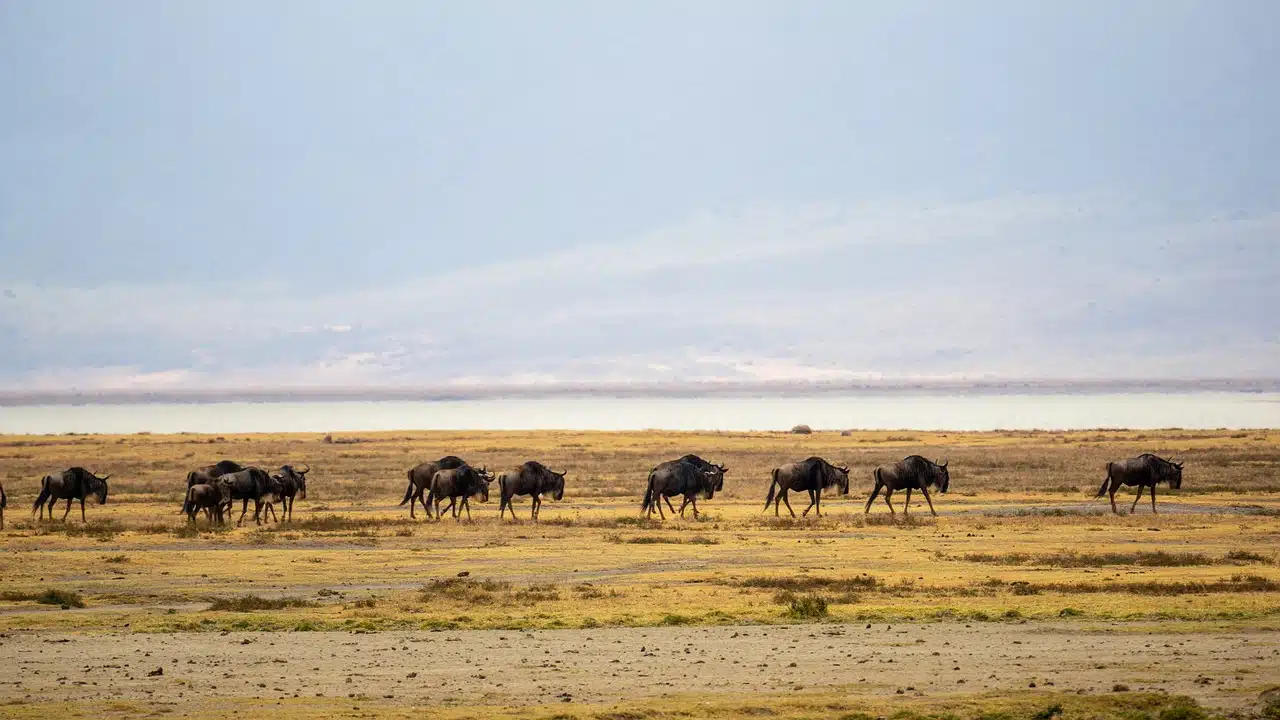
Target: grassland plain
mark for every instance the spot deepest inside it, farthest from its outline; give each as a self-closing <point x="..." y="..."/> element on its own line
<point x="1020" y="542"/>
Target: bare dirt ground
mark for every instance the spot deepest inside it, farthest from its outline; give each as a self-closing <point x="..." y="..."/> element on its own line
<point x="498" y="667"/>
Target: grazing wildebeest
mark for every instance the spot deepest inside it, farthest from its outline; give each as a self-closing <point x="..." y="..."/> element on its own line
<point x="420" y="481"/>
<point x="1144" y="471"/>
<point x="72" y="484"/>
<point x="248" y="484"/>
<point x="210" y="497"/>
<point x="3" y="502"/>
<point x="460" y="482"/>
<point x="912" y="473"/>
<point x="681" y="477"/>
<point x="813" y="476"/>
<point x="292" y="482"/>
<point x="207" y="474"/>
<point x="533" y="479"/>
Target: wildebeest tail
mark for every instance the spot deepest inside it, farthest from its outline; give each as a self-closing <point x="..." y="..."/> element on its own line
<point x="43" y="496"/>
<point x="191" y="476"/>
<point x="408" y="493"/>
<point x="876" y="474"/>
<point x="1106" y="481"/>
<point x="649" y="498"/>
<point x="4" y="501"/>
<point x="768" y="500"/>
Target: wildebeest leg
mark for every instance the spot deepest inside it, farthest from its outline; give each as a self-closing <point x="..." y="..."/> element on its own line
<point x="257" y="512"/>
<point x="68" y="512"/>
<point x="244" y="508"/>
<point x="787" y="502"/>
<point x="817" y="502"/>
<point x="1153" y="500"/>
<point x="925" y="490"/>
<point x="271" y="508"/>
<point x="668" y="499"/>
<point x="1135" y="500"/>
<point x="502" y="506"/>
<point x="907" y="504"/>
<point x="1112" y="492"/>
<point x="811" y="504"/>
<point x="683" y="505"/>
<point x="693" y="500"/>
<point x="888" y="493"/>
<point x="658" y="503"/>
<point x="466" y="505"/>
<point x="536" y="502"/>
<point x="872" y="499"/>
<point x="82" y="511"/>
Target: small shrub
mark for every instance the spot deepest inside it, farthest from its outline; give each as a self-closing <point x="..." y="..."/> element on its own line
<point x="1183" y="709"/>
<point x="807" y="607"/>
<point x="1070" y="612"/>
<point x="255" y="603"/>
<point x="1048" y="713"/>
<point x="115" y="559"/>
<point x="64" y="598"/>
<point x="801" y="430"/>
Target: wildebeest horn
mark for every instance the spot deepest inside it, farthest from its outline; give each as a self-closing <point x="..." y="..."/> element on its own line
<point x="304" y="472"/>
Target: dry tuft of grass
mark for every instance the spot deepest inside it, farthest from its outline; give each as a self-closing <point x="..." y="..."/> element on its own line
<point x="255" y="603"/>
<point x="52" y="596"/>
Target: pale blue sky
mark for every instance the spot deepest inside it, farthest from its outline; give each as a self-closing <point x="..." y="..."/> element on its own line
<point x="231" y="193"/>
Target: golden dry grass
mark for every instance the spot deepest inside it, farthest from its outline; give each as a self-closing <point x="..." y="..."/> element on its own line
<point x="1020" y="503"/>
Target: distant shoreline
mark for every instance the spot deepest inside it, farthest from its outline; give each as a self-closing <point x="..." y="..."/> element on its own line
<point x="21" y="398"/>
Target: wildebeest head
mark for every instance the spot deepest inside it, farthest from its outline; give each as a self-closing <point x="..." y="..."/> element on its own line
<point x="299" y="478"/>
<point x="481" y="485"/>
<point x="97" y="486"/>
<point x="714" y="479"/>
<point x="556" y="485"/>
<point x="842" y="478"/>
<point x="943" y="477"/>
<point x="1173" y="473"/>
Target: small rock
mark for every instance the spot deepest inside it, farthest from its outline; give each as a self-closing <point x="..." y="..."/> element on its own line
<point x="157" y="672"/>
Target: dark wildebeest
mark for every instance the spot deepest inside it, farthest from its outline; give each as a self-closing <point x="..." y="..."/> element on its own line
<point x="420" y="481"/>
<point x="912" y="473"/>
<point x="292" y="482"/>
<point x="700" y="464"/>
<point x="1144" y="471"/>
<point x="3" y="502"/>
<point x="533" y="479"/>
<point x="207" y="474"/>
<point x="813" y="476"/>
<point x="681" y="477"/>
<point x="248" y="484"/>
<point x="460" y="482"/>
<point x="210" y="497"/>
<point x="72" y="484"/>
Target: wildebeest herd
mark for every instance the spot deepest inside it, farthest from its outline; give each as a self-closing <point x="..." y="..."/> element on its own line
<point x="214" y="489"/>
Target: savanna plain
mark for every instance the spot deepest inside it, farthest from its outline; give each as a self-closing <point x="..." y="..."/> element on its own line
<point x="1024" y="598"/>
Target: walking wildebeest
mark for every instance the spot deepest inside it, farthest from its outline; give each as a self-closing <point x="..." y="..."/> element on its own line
<point x="533" y="479"/>
<point x="681" y="477"/>
<point x="911" y="473"/>
<point x="420" y="481"/>
<point x="460" y="482"/>
<point x="697" y="462"/>
<point x="72" y="484"/>
<point x="209" y="473"/>
<point x="248" y="484"/>
<point x="210" y="497"/>
<point x="292" y="482"/>
<point x="1144" y="471"/>
<point x="813" y="476"/>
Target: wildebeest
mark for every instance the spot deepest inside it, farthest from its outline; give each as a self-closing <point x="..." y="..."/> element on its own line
<point x="813" y="476"/>
<point x="292" y="482"/>
<point x="698" y="462"/>
<point x="681" y="477"/>
<point x="71" y="484"/>
<point x="1144" y="471"/>
<point x="3" y="502"/>
<point x="911" y="473"/>
<point x="533" y="479"/>
<point x="420" y="481"/>
<point x="210" y="497"/>
<point x="209" y="473"/>
<point x="462" y="482"/>
<point x="251" y="483"/>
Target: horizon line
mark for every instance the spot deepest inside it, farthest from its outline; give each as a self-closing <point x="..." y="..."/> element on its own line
<point x="620" y="389"/>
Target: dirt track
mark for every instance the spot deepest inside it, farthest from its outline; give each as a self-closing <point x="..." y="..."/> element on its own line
<point x="606" y="665"/>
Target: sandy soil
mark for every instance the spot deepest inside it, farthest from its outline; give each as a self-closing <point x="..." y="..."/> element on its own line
<point x="1223" y="668"/>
